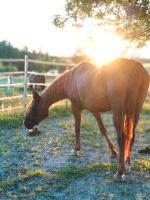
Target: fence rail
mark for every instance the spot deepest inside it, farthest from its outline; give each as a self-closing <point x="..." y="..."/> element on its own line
<point x="26" y="61"/>
<point x="3" y="74"/>
<point x="11" y="60"/>
<point x="11" y="73"/>
<point x="11" y="108"/>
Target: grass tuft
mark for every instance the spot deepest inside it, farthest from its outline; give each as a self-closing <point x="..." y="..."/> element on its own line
<point x="21" y="178"/>
<point x="142" y="164"/>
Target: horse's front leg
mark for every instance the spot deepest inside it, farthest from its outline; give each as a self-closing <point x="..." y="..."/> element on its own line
<point x="77" y="116"/>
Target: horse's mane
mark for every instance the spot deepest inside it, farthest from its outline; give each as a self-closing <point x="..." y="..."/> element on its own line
<point x="64" y="77"/>
<point x="56" y="89"/>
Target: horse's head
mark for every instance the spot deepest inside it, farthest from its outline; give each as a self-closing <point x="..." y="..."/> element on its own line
<point x="37" y="111"/>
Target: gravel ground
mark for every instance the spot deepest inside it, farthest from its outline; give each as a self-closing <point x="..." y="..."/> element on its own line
<point x="43" y="167"/>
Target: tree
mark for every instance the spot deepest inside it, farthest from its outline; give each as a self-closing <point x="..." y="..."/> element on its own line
<point x="130" y="18"/>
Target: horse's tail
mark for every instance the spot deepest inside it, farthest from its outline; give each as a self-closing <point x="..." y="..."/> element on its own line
<point x="133" y="101"/>
<point x="128" y="119"/>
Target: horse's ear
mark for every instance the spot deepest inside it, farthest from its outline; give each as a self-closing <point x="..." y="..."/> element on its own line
<point x="36" y="96"/>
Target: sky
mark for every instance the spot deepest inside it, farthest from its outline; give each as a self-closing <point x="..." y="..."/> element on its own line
<point x="29" y="23"/>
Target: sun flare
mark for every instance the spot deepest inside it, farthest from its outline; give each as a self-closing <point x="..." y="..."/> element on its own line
<point x="105" y="46"/>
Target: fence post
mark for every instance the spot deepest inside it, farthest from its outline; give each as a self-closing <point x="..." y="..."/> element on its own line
<point x="10" y="83"/>
<point x="25" y="82"/>
<point x="67" y="67"/>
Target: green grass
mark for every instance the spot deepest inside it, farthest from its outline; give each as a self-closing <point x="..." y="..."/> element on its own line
<point x="60" y="110"/>
<point x="64" y="176"/>
<point x="142" y="164"/>
<point x="23" y="175"/>
<point x="146" y="108"/>
<point x="14" y="118"/>
<point x="11" y="119"/>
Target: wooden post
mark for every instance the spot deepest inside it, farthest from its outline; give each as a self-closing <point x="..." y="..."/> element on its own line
<point x="25" y="82"/>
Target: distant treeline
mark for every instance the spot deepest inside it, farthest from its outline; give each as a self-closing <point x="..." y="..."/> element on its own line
<point x="8" y="51"/>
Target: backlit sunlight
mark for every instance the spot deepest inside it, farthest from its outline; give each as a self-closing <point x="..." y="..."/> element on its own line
<point x="105" y="46"/>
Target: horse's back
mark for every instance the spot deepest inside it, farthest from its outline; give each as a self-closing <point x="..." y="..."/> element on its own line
<point x="86" y="87"/>
<point x="119" y="73"/>
<point x="97" y="88"/>
<point x="126" y="66"/>
<point x="124" y="77"/>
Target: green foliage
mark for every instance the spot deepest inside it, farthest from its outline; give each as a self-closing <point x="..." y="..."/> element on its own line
<point x="8" y="51"/>
<point x="131" y="19"/>
<point x="6" y="68"/>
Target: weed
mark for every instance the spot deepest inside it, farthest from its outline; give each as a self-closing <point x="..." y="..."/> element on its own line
<point x="142" y="164"/>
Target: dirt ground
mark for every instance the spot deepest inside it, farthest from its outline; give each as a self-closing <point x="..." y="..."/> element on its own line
<point x="43" y="167"/>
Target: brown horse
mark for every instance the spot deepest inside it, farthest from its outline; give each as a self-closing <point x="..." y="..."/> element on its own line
<point x="120" y="86"/>
<point x="37" y="78"/>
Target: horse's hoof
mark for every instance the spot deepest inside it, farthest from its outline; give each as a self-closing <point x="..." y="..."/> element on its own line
<point x="119" y="178"/>
<point x="75" y="153"/>
<point x="114" y="154"/>
<point x="128" y="168"/>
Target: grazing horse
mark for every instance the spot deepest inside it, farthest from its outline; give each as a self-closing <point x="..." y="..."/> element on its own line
<point x="37" y="78"/>
<point x="120" y="86"/>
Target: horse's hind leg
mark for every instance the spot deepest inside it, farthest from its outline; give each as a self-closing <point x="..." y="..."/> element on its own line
<point x="139" y="103"/>
<point x="77" y="116"/>
<point x="104" y="132"/>
<point x="121" y="141"/>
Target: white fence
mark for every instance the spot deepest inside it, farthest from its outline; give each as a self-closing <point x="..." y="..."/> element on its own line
<point x="26" y="62"/>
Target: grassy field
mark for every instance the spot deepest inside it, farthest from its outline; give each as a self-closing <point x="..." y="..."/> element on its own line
<point x="42" y="167"/>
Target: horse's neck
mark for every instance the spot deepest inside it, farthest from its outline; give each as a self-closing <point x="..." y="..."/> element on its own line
<point x="55" y="92"/>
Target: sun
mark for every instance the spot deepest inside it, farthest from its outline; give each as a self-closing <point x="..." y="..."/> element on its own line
<point x="105" y="46"/>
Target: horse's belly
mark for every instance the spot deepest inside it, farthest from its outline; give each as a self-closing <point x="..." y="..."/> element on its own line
<point x="92" y="91"/>
<point x="97" y="104"/>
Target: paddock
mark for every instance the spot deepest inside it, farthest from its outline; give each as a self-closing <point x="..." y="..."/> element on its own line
<point x="26" y="162"/>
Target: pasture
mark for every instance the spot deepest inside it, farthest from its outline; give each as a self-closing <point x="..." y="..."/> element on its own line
<point x="43" y="167"/>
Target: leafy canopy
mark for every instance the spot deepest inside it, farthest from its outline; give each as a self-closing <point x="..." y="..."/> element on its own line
<point x="130" y="18"/>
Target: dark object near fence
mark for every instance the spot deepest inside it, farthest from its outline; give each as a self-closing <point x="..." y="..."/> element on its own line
<point x="145" y="151"/>
<point x="37" y="78"/>
<point x="120" y="86"/>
